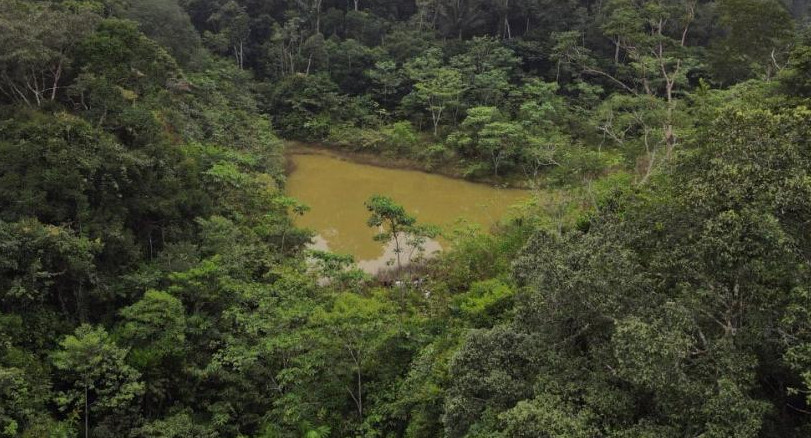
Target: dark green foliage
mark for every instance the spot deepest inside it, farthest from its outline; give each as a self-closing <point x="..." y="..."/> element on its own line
<point x="671" y="297"/>
<point x="124" y="56"/>
<point x="166" y="23"/>
<point x="795" y="76"/>
<point x="39" y="43"/>
<point x="623" y="70"/>
<point x="758" y="33"/>
<point x="152" y="283"/>
<point x="304" y="106"/>
<point x="99" y="385"/>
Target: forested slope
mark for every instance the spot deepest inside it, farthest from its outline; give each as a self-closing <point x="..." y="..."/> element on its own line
<point x="152" y="283"/>
<point x="493" y="88"/>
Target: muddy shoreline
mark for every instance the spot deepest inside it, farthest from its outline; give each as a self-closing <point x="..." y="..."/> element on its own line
<point x="336" y="188"/>
<point x="371" y="159"/>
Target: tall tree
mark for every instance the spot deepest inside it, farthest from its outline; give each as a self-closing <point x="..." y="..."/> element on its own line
<point x="37" y="47"/>
<point x="437" y="88"/>
<point x="100" y="381"/>
<point x="757" y="37"/>
<point x="392" y="221"/>
<point x="652" y="58"/>
<point x="232" y="30"/>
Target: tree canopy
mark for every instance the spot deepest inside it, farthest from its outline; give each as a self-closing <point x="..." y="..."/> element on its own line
<point x="657" y="283"/>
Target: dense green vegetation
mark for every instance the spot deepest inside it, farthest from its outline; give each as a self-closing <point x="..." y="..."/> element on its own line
<point x="152" y="283"/>
<point x="494" y="88"/>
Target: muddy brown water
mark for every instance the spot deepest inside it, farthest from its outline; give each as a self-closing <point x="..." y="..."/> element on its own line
<point x="336" y="189"/>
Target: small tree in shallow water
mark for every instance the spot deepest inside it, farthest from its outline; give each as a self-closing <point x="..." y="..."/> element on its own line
<point x="392" y="220"/>
<point x="396" y="225"/>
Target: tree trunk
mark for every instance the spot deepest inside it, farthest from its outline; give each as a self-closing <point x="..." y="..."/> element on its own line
<point x="506" y="34"/>
<point x="34" y="88"/>
<point x="57" y="75"/>
<point x="86" y="414"/>
<point x="496" y="163"/>
<point x="239" y="54"/>
<point x="397" y="251"/>
<point x="318" y="15"/>
<point x="360" y="393"/>
<point x="359" y="399"/>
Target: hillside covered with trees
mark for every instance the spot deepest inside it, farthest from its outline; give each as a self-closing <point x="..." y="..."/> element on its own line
<point x="153" y="282"/>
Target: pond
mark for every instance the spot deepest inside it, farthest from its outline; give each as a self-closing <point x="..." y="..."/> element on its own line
<point x="336" y="189"/>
